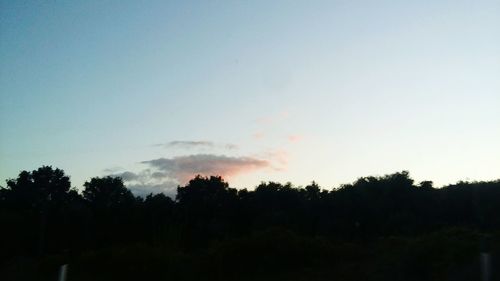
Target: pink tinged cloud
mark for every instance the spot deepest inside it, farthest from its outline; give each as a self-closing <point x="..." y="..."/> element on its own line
<point x="295" y="138"/>
<point x="183" y="168"/>
<point x="279" y="159"/>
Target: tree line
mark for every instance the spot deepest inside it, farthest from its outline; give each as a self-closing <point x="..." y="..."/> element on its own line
<point x="42" y="215"/>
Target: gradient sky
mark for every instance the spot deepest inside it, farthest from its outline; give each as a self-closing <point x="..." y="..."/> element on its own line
<point x="253" y="90"/>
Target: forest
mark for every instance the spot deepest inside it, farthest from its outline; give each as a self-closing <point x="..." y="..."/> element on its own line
<point x="376" y="228"/>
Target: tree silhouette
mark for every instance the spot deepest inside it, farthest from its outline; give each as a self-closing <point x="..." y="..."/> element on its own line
<point x="107" y="193"/>
<point x="38" y="188"/>
<point x="391" y="227"/>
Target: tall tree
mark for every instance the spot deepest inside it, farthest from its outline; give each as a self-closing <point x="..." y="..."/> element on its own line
<point x="37" y="189"/>
<point x="107" y="193"/>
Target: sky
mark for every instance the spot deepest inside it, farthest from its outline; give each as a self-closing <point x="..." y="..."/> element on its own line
<point x="158" y="91"/>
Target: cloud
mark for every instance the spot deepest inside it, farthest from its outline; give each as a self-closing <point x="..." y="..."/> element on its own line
<point x="168" y="188"/>
<point x="183" y="168"/>
<point x="163" y="175"/>
<point x="145" y="182"/>
<point x="197" y="145"/>
<point x="295" y="138"/>
<point x="230" y="146"/>
<point x="278" y="157"/>
<point x="187" y="144"/>
<point x="112" y="170"/>
<point x="127" y="176"/>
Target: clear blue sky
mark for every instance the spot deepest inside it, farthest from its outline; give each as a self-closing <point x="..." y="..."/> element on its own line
<point x="253" y="90"/>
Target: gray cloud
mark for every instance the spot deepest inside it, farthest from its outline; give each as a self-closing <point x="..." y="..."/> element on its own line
<point x="230" y="146"/>
<point x="168" y="188"/>
<point x="163" y="175"/>
<point x="183" y="168"/>
<point x="146" y="181"/>
<point x="197" y="145"/>
<point x="159" y="175"/>
<point x="127" y="176"/>
<point x="112" y="170"/>
<point x="189" y="144"/>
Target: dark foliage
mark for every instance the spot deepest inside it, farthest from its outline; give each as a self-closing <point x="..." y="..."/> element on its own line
<point x="377" y="228"/>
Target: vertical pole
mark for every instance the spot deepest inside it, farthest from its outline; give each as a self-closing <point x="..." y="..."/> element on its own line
<point x="485" y="259"/>
<point x="63" y="270"/>
<point x="485" y="267"/>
